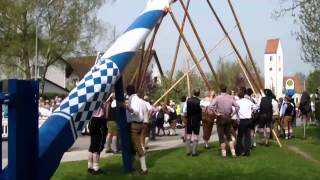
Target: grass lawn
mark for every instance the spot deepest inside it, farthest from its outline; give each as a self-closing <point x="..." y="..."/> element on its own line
<point x="270" y="163"/>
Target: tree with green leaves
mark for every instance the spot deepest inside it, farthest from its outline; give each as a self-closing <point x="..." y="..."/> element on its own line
<point x="232" y="73"/>
<point x="313" y="81"/>
<point x="64" y="28"/>
<point x="307" y="16"/>
<point x="180" y="90"/>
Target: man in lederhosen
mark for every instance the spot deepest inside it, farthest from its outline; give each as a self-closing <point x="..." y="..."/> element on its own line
<point x="194" y="113"/>
<point x="222" y="105"/>
<point x="136" y="113"/>
<point x="208" y="117"/>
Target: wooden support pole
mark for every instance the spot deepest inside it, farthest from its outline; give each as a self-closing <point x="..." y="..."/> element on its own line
<point x="178" y="45"/>
<point x="192" y="68"/>
<point x="170" y="89"/>
<point x="246" y="75"/>
<point x="245" y="43"/>
<point x="188" y="78"/>
<point x="278" y="141"/>
<point x="138" y="79"/>
<point x="149" y="52"/>
<point x="174" y="62"/>
<point x="200" y="42"/>
<point x="194" y="58"/>
<point x="233" y="45"/>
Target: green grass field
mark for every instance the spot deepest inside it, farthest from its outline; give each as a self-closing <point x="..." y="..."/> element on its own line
<point x="298" y="159"/>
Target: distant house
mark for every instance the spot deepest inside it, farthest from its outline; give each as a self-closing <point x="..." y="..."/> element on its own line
<point x="55" y="79"/>
<point x="273" y="66"/>
<point x="81" y="65"/>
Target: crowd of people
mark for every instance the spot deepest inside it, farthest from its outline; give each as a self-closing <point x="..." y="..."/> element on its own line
<point x="145" y="123"/>
<point x="47" y="106"/>
<point x="240" y="119"/>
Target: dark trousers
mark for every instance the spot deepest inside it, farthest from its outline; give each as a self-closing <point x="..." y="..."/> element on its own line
<point x="153" y="130"/>
<point x="244" y="138"/>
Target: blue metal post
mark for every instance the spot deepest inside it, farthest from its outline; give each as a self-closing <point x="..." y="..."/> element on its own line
<point x="1" y="102"/>
<point x="124" y="128"/>
<point x="23" y="129"/>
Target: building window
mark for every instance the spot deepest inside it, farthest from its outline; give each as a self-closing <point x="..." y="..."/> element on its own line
<point x="270" y="58"/>
<point x="270" y="69"/>
<point x="280" y="69"/>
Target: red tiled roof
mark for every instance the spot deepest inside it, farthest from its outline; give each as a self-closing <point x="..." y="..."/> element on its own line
<point x="81" y="65"/>
<point x="272" y="46"/>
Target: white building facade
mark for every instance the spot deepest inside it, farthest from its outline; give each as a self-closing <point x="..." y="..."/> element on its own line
<point x="154" y="69"/>
<point x="273" y="67"/>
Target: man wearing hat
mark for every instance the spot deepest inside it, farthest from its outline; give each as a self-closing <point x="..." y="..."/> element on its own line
<point x="286" y="113"/>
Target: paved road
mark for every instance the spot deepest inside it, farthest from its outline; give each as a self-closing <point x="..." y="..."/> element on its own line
<point x="82" y="142"/>
<point x="79" y="150"/>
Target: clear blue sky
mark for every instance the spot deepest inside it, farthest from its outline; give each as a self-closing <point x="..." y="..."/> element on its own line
<point x="254" y="15"/>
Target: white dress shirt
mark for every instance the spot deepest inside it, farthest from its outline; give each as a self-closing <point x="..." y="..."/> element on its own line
<point x="275" y="108"/>
<point x="246" y="108"/>
<point x="138" y="106"/>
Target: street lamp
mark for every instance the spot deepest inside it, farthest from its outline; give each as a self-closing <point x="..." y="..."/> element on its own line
<point x="36" y="48"/>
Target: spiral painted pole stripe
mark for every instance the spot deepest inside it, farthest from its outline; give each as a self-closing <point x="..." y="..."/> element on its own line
<point x="60" y="131"/>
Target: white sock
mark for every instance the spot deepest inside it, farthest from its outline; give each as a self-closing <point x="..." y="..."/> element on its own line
<point x="90" y="161"/>
<point x="96" y="158"/>
<point x="114" y="144"/>
<point x="194" y="146"/>
<point x="233" y="152"/>
<point x="96" y="166"/>
<point x="90" y="164"/>
<point x="143" y="163"/>
<point x="291" y="132"/>
<point x="286" y="133"/>
<point x="206" y="144"/>
<point x="233" y="139"/>
<point x="223" y="153"/>
<point x="188" y="146"/>
<point x="146" y="142"/>
<point x="108" y="143"/>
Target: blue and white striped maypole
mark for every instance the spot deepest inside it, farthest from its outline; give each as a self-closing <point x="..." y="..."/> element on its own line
<point x="61" y="129"/>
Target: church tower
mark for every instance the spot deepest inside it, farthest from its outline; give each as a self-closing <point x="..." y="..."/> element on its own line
<point x="273" y="67"/>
